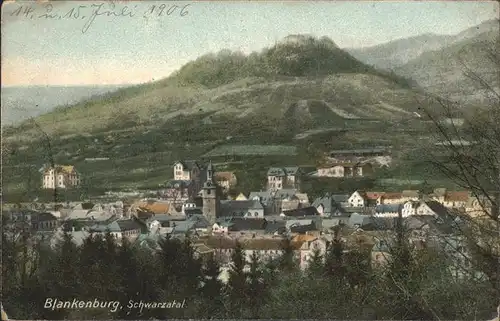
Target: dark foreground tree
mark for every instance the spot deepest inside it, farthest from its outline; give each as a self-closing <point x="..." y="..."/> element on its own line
<point x="469" y="155"/>
<point x="212" y="304"/>
<point x="237" y="283"/>
<point x="256" y="289"/>
<point x="315" y="264"/>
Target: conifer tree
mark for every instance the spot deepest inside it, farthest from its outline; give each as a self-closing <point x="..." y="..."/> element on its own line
<point x="256" y="286"/>
<point x="181" y="275"/>
<point x="287" y="262"/>
<point x="88" y="267"/>
<point x="108" y="266"/>
<point x="169" y="259"/>
<point x="190" y="276"/>
<point x="334" y="260"/>
<point x="129" y="282"/>
<point x="190" y="268"/>
<point x="402" y="281"/>
<point x="148" y="281"/>
<point x="237" y="285"/>
<point x="212" y="304"/>
<point x="315" y="264"/>
<point x="61" y="279"/>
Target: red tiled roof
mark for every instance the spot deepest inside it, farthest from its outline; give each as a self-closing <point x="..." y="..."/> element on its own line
<point x="156" y="207"/>
<point x="373" y="195"/>
<point x="456" y="196"/>
<point x="224" y="176"/>
<point x="392" y="196"/>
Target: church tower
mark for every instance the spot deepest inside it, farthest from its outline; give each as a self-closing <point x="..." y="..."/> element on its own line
<point x="211" y="196"/>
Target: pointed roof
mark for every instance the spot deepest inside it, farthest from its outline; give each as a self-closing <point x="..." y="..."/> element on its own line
<point x="189" y="164"/>
<point x="67" y="169"/>
<point x="241" y="197"/>
<point x="210" y="175"/>
<point x="283" y="171"/>
<point x="328" y="202"/>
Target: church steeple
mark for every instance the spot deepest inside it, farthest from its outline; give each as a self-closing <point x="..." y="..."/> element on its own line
<point x="210" y="172"/>
<point x="211" y="197"/>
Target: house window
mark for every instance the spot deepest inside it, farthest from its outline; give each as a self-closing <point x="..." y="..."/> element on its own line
<point x="256" y="214"/>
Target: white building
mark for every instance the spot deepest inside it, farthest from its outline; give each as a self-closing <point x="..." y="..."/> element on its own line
<point x="60" y="176"/>
<point x="187" y="170"/>
<point x="356" y="200"/>
<point x="283" y="178"/>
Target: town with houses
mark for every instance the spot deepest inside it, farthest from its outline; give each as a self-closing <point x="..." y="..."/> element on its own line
<point x="320" y="162"/>
<point x="196" y="204"/>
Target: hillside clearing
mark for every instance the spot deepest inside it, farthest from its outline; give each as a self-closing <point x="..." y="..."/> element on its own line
<point x="254" y="150"/>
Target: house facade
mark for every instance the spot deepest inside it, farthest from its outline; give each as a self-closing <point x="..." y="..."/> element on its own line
<point x="451" y="199"/>
<point x="327" y="206"/>
<point x="423" y="208"/>
<point x="364" y="199"/>
<point x="268" y="248"/>
<point x="309" y="244"/>
<point x="356" y="199"/>
<point x="60" y="176"/>
<point x="33" y="221"/>
<point x="120" y="229"/>
<point x="283" y="177"/>
<point x="266" y="199"/>
<point x="287" y="199"/>
<point x="190" y="170"/>
<point x="178" y="192"/>
<point x="187" y="170"/>
<point x="265" y="248"/>
<point x="331" y="171"/>
<point x="346" y="170"/>
<point x="390" y="198"/>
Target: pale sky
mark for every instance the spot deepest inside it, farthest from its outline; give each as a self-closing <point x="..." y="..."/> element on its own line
<point x="128" y="50"/>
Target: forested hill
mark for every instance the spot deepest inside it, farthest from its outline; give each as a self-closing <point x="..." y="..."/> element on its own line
<point x="297" y="70"/>
<point x="295" y="55"/>
<point x="299" y="85"/>
<point x="459" y="71"/>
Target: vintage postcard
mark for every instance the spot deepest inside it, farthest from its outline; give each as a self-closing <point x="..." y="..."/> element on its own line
<point x="250" y="160"/>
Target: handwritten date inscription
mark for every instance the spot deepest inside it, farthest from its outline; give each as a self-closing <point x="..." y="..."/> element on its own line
<point x="90" y="12"/>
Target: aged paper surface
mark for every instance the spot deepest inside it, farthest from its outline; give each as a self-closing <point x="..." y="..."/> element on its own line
<point x="250" y="160"/>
